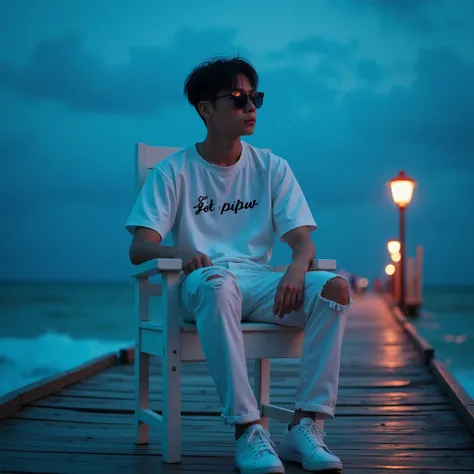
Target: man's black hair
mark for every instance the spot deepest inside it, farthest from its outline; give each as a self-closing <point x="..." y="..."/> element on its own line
<point x="215" y="75"/>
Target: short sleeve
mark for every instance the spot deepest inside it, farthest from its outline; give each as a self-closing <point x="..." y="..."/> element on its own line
<point x="289" y="206"/>
<point x="156" y="204"/>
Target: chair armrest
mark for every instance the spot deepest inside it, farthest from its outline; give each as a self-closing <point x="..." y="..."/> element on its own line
<point x="318" y="264"/>
<point x="326" y="264"/>
<point x="157" y="266"/>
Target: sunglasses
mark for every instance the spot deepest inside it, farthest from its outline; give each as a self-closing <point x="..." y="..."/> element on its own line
<point x="241" y="99"/>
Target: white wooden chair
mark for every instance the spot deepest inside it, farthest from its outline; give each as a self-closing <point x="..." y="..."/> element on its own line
<point x="165" y="336"/>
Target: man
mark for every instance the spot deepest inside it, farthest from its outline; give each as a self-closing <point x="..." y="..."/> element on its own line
<point x="222" y="200"/>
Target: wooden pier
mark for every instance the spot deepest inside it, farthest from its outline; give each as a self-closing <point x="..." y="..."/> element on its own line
<point x="396" y="410"/>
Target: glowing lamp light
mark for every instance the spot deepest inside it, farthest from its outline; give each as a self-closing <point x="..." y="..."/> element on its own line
<point x="396" y="257"/>
<point x="394" y="246"/>
<point x="402" y="189"/>
<point x="390" y="269"/>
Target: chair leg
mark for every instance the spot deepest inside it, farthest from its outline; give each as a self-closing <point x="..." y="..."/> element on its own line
<point x="142" y="381"/>
<point x="262" y="387"/>
<point x="171" y="411"/>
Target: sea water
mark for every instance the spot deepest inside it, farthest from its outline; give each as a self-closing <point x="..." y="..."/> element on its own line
<point x="46" y="328"/>
<point x="447" y="322"/>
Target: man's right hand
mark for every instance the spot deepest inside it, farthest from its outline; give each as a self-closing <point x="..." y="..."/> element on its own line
<point x="193" y="262"/>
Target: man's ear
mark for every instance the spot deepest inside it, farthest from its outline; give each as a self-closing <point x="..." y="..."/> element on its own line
<point x="205" y="108"/>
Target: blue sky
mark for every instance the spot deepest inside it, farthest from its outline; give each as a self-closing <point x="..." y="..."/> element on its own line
<point x="355" y="90"/>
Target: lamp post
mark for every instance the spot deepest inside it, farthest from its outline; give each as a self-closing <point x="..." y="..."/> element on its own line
<point x="394" y="251"/>
<point x="390" y="272"/>
<point x="402" y="192"/>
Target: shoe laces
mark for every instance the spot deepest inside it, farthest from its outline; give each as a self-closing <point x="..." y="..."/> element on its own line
<point x="259" y="441"/>
<point x="314" y="434"/>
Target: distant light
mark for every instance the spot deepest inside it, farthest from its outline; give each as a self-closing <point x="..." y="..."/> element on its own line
<point x="396" y="257"/>
<point x="363" y="282"/>
<point x="394" y="246"/>
<point x="390" y="269"/>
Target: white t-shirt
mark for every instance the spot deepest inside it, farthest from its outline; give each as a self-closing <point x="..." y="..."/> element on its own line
<point x="228" y="213"/>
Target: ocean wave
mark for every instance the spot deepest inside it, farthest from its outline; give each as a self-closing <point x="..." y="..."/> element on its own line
<point x="26" y="360"/>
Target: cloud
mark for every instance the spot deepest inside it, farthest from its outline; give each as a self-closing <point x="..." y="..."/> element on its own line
<point x="370" y="71"/>
<point x="60" y="69"/>
<point x="48" y="172"/>
<point x="410" y="13"/>
<point x="427" y="17"/>
<point x="400" y="8"/>
<point x="436" y="112"/>
<point x="352" y="144"/>
<point x="316" y="45"/>
<point x="337" y="134"/>
<point x="331" y="58"/>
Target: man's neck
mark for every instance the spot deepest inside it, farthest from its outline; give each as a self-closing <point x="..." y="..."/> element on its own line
<point x="222" y="152"/>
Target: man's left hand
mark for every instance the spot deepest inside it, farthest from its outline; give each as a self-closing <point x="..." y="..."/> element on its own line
<point x="289" y="294"/>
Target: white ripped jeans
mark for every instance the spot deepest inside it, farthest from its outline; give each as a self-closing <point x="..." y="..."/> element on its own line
<point x="241" y="292"/>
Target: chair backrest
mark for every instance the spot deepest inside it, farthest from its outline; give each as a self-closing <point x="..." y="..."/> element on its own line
<point x="147" y="156"/>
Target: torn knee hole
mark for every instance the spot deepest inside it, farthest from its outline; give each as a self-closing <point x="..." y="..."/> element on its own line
<point x="213" y="277"/>
<point x="337" y="290"/>
<point x="215" y="280"/>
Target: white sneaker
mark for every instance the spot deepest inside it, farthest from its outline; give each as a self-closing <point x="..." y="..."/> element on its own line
<point x="255" y="453"/>
<point x="304" y="444"/>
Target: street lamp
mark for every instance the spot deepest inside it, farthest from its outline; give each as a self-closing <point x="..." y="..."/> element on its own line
<point x="402" y="191"/>
<point x="393" y="246"/>
<point x="396" y="257"/>
<point x="390" y="269"/>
